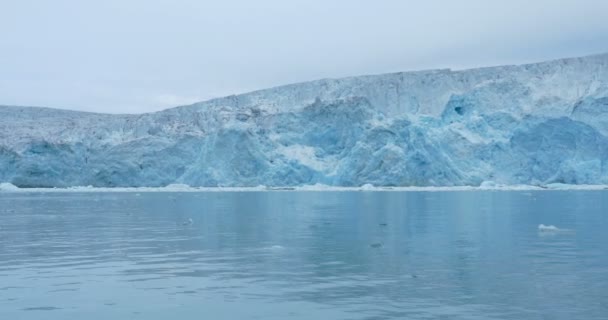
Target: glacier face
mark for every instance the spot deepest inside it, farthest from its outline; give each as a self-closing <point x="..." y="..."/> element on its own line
<point x="531" y="124"/>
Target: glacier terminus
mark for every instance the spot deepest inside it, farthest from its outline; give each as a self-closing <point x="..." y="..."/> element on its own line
<point x="532" y="124"/>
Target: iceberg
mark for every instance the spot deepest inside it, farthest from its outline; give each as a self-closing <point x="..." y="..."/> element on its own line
<point x="536" y="124"/>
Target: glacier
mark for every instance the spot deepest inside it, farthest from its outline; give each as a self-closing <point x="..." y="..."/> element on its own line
<point x="534" y="124"/>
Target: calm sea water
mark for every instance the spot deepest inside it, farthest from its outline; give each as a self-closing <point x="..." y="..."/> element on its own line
<point x="304" y="255"/>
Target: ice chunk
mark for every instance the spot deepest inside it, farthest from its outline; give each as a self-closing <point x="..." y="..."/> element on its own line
<point x="8" y="187"/>
<point x="549" y="228"/>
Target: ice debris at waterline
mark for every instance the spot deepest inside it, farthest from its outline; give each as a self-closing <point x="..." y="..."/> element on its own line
<point x="533" y="124"/>
<point x="7" y="187"/>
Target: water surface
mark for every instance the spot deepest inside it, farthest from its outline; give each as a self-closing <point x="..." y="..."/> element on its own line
<point x="304" y="255"/>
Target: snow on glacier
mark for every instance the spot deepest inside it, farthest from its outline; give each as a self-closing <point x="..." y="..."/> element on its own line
<point x="537" y="124"/>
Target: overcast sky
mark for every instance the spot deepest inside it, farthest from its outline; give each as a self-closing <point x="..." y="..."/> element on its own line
<point x="145" y="55"/>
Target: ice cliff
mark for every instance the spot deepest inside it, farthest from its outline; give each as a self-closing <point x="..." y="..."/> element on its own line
<point x="531" y="124"/>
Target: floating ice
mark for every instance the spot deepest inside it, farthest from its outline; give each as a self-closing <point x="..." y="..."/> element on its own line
<point x="552" y="230"/>
<point x="368" y="186"/>
<point x="274" y="248"/>
<point x="549" y="228"/>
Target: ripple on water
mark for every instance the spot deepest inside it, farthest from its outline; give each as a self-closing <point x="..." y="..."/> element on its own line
<point x="41" y="308"/>
<point x="445" y="255"/>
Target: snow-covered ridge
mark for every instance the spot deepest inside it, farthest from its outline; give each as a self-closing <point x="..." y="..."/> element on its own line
<point x="533" y="124"/>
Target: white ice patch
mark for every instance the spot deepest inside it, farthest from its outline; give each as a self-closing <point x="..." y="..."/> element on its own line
<point x="549" y="228"/>
<point x="304" y="155"/>
<point x="488" y="185"/>
<point x="553" y="230"/>
<point x="368" y="187"/>
<point x="178" y="186"/>
<point x="274" y="248"/>
<point x="8" y="187"/>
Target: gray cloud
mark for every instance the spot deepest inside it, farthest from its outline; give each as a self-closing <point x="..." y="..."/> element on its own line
<point x="136" y="56"/>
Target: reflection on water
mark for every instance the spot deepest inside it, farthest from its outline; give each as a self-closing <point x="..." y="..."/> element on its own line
<point x="304" y="255"/>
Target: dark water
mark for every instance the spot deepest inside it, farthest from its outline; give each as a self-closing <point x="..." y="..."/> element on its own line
<point x="304" y="255"/>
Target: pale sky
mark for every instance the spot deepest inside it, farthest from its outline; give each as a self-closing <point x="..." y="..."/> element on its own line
<point x="135" y="56"/>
